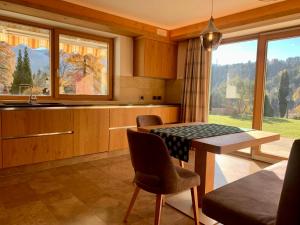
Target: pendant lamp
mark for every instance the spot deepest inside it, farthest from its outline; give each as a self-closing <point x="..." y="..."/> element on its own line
<point x="211" y="36"/>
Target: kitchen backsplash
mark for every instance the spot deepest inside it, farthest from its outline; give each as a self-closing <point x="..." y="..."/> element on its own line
<point x="130" y="89"/>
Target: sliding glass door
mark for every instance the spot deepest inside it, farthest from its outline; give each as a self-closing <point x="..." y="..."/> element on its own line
<point x="232" y="84"/>
<point x="255" y="83"/>
<point x="282" y="94"/>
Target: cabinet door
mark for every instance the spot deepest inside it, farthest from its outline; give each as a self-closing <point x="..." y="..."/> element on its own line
<point x="153" y="58"/>
<point x="91" y="134"/>
<point x="118" y="139"/>
<point x="22" y="151"/>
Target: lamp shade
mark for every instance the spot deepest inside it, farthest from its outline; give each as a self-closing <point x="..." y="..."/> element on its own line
<point x="211" y="36"/>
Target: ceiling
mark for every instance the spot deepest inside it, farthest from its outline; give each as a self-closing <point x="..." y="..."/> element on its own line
<point x="171" y="14"/>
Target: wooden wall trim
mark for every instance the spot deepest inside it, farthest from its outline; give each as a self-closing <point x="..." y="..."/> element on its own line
<point x="115" y="24"/>
<point x="273" y="11"/>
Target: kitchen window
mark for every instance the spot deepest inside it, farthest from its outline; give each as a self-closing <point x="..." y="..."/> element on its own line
<point x="53" y="63"/>
<point x="25" y="64"/>
<point x="84" y="66"/>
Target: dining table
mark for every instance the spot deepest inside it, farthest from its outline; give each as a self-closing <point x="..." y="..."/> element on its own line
<point x="206" y="149"/>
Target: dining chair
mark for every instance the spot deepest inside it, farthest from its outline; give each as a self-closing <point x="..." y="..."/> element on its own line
<point x="268" y="197"/>
<point x="155" y="172"/>
<point x="151" y="120"/>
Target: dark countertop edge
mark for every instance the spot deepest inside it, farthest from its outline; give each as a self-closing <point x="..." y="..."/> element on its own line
<point x="11" y="108"/>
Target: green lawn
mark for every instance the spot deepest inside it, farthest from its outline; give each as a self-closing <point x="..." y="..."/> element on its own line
<point x="285" y="127"/>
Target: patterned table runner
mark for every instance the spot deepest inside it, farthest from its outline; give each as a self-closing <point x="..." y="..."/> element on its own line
<point x="178" y="139"/>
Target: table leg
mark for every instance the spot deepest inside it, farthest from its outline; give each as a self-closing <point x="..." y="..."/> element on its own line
<point x="205" y="167"/>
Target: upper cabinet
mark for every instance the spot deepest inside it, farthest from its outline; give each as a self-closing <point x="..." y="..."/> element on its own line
<point x="155" y="59"/>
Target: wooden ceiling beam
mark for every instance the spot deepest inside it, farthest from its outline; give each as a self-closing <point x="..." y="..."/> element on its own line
<point x="269" y="12"/>
<point x="116" y="24"/>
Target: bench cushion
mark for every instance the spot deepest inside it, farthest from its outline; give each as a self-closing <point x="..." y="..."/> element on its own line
<point x="252" y="200"/>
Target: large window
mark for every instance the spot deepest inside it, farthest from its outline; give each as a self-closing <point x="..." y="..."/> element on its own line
<point x="232" y="84"/>
<point x="256" y="84"/>
<point x="84" y="65"/>
<point x="53" y="63"/>
<point x="24" y="60"/>
<point x="282" y="94"/>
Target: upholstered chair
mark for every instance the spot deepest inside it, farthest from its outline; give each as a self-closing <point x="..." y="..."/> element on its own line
<point x="155" y="172"/>
<point x="151" y="120"/>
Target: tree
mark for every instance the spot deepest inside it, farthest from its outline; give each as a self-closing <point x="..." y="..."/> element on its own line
<point x="26" y="69"/>
<point x="283" y="93"/>
<point x="17" y="80"/>
<point x="7" y="66"/>
<point x="268" y="109"/>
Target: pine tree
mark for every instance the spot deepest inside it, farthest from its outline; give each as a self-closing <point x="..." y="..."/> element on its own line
<point x="283" y="93"/>
<point x="268" y="109"/>
<point x="17" y="75"/>
<point x="27" y="75"/>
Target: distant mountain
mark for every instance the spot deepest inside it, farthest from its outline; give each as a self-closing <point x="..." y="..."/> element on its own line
<point x="39" y="58"/>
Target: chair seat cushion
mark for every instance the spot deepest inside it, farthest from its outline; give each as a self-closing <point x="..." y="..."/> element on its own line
<point x="188" y="179"/>
<point x="252" y="200"/>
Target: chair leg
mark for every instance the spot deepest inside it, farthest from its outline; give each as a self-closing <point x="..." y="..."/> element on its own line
<point x="195" y="204"/>
<point x="158" y="209"/>
<point x="181" y="163"/>
<point x="132" y="201"/>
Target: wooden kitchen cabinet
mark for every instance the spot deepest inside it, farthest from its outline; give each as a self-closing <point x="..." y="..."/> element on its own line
<point x="91" y="133"/>
<point x="123" y="118"/>
<point x="23" y="151"/>
<point x="19" y="123"/>
<point x="155" y="59"/>
<point x="32" y="136"/>
<point x="167" y="114"/>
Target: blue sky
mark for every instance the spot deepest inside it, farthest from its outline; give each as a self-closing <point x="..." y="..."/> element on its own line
<point x="243" y="52"/>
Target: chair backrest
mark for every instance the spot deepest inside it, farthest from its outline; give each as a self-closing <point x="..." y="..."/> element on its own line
<point x="289" y="204"/>
<point x="154" y="170"/>
<point x="148" y="120"/>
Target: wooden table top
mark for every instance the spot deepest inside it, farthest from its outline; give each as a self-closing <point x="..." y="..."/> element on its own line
<point x="225" y="143"/>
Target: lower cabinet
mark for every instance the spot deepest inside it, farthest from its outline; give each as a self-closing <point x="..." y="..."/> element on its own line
<point x="118" y="139"/>
<point x="33" y="136"/>
<point x="91" y="133"/>
<point x="123" y="118"/>
<point x="30" y="150"/>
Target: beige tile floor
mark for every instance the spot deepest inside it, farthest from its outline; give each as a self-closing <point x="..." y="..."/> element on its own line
<point x="94" y="193"/>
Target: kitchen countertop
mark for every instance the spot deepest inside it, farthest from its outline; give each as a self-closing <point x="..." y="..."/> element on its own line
<point x="25" y="106"/>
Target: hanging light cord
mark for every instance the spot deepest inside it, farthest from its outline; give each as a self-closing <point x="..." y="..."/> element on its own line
<point x="212" y="8"/>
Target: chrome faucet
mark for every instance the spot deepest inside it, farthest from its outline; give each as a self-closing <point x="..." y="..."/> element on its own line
<point x="32" y="98"/>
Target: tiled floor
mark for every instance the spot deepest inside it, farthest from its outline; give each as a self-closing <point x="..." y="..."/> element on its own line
<point x="93" y="193"/>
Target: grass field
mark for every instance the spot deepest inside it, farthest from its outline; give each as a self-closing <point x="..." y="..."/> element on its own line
<point x="285" y="127"/>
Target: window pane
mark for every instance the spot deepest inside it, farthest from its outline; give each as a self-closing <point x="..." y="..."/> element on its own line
<point x="232" y="84"/>
<point x="282" y="94"/>
<point x="24" y="60"/>
<point x="83" y="66"/>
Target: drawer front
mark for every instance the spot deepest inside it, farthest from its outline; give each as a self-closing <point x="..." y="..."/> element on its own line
<point x="27" y="122"/>
<point x="22" y="151"/>
<point x="167" y="114"/>
<point x="126" y="117"/>
<point x="118" y="139"/>
<point x="91" y="134"/>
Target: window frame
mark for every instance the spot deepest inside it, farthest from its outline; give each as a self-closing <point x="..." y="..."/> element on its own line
<point x="110" y="43"/>
<point x="51" y="31"/>
<point x="54" y="62"/>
